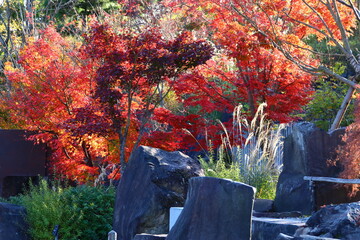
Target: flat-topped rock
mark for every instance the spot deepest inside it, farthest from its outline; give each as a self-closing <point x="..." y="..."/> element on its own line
<point x="215" y="209"/>
<point x="263" y="205"/>
<point x="293" y="214"/>
<point x="270" y="228"/>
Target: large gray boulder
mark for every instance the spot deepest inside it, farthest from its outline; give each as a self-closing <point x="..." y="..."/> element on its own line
<point x="306" y="153"/>
<point x="215" y="209"/>
<point x="12" y="222"/>
<point x="153" y="181"/>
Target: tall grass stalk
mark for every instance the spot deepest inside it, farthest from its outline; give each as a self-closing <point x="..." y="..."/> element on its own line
<point x="252" y="147"/>
<point x="256" y="146"/>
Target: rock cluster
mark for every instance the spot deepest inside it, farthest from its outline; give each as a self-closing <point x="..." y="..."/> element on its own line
<point x="336" y="221"/>
<point x="153" y="181"/>
<point x="331" y="222"/>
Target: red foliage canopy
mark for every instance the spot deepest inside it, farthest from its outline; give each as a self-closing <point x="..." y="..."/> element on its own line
<point x="87" y="101"/>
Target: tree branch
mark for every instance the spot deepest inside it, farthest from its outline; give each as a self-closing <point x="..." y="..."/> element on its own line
<point x="341" y="113"/>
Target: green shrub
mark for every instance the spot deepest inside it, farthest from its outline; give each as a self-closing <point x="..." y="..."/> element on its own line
<point x="94" y="208"/>
<point x="45" y="207"/>
<point x="326" y="102"/>
<point x="262" y="179"/>
<point x="83" y="212"/>
<point x="218" y="168"/>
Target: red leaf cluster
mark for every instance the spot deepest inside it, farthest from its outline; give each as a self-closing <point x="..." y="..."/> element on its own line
<point x="86" y="101"/>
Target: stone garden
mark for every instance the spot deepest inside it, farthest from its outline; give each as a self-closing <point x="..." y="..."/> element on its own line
<point x="156" y="180"/>
<point x="179" y="119"/>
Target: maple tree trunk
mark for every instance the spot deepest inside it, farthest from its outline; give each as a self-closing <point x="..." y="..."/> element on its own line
<point x="122" y="151"/>
<point x="340" y="114"/>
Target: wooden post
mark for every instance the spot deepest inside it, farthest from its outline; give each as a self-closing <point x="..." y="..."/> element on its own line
<point x="312" y="186"/>
<point x="313" y="196"/>
<point x="112" y="235"/>
<point x="55" y="232"/>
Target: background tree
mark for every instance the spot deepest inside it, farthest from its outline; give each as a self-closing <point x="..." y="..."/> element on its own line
<point x="12" y="36"/>
<point x="50" y="84"/>
<point x="73" y="15"/>
<point x="247" y="69"/>
<point x="287" y="25"/>
<point x="327" y="99"/>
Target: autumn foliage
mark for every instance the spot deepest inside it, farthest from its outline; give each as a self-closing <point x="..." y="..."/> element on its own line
<point x="349" y="154"/>
<point x="96" y="99"/>
<point x="248" y="69"/>
<point x="132" y="67"/>
<point x="86" y="101"/>
<point x="51" y="84"/>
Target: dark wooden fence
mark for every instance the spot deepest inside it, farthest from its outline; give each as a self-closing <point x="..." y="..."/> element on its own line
<point x="20" y="159"/>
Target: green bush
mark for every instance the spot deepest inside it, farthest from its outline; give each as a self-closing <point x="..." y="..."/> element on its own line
<point x="264" y="181"/>
<point x="327" y="100"/>
<point x="93" y="207"/>
<point x="83" y="212"/>
<point x="218" y="168"/>
<point x="45" y="208"/>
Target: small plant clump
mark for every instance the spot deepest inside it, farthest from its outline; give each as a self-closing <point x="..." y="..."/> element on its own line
<point x="82" y="212"/>
<point x="252" y="149"/>
<point x="220" y="169"/>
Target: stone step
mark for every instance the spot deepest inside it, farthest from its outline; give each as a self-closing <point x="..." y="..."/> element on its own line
<point x="303" y="237"/>
<point x="270" y="228"/>
<point x="145" y="236"/>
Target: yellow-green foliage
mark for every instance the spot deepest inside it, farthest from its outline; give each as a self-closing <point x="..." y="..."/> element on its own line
<point x="83" y="212"/>
<point x="45" y="208"/>
<point x="219" y="169"/>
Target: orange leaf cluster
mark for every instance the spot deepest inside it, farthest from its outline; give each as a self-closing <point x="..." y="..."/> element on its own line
<point x="349" y="154"/>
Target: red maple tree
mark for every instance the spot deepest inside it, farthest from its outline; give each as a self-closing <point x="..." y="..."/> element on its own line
<point x="131" y="69"/>
<point x="87" y="101"/>
<point x="52" y="82"/>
